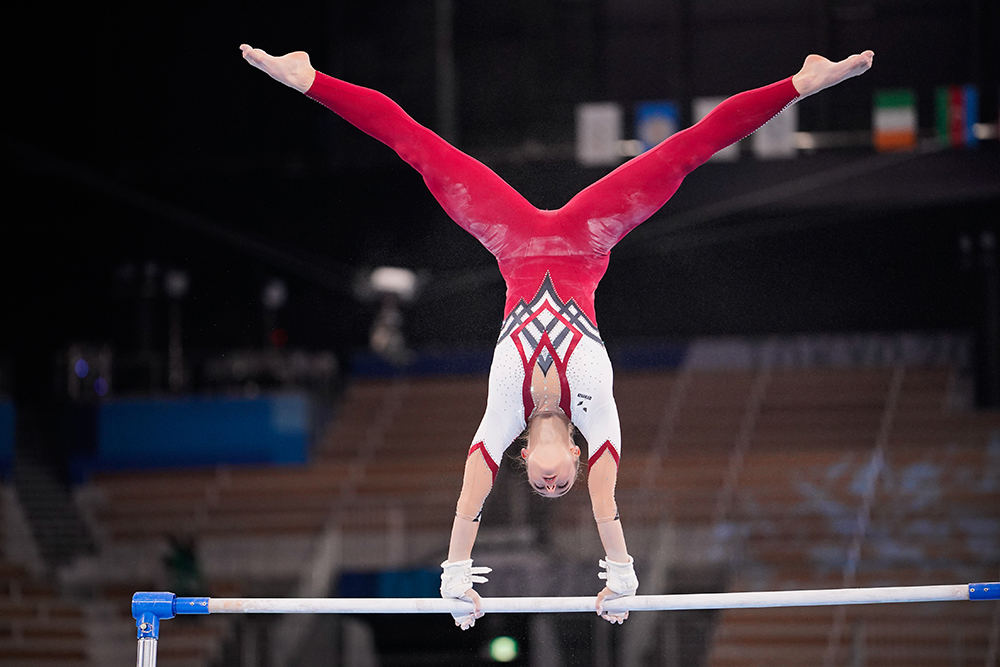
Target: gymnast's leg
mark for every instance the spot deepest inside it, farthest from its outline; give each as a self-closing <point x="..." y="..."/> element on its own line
<point x="637" y="189"/>
<point x="472" y="194"/>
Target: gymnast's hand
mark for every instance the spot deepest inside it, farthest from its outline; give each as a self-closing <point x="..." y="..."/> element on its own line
<point x="292" y="69"/>
<point x="456" y="582"/>
<point x="610" y="616"/>
<point x="622" y="582"/>
<point x="467" y="621"/>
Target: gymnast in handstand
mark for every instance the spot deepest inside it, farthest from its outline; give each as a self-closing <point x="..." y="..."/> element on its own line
<point x="550" y="371"/>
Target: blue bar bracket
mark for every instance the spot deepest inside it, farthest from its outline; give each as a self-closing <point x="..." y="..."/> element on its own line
<point x="149" y="608"/>
<point x="985" y="591"/>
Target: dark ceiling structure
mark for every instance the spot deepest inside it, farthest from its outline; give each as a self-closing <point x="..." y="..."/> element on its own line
<point x="140" y="142"/>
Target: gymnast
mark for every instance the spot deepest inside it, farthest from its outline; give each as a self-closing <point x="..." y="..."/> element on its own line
<point x="550" y="371"/>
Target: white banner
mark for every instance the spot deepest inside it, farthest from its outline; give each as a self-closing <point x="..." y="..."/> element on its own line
<point x="701" y="108"/>
<point x="776" y="140"/>
<point x="599" y="133"/>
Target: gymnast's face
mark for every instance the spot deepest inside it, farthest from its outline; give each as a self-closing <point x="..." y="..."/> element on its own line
<point x="551" y="458"/>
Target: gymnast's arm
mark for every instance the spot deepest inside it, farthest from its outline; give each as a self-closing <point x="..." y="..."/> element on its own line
<point x="476" y="485"/>
<point x="601" y="482"/>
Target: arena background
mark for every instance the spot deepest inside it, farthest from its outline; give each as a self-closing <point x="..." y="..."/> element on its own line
<point x="203" y="239"/>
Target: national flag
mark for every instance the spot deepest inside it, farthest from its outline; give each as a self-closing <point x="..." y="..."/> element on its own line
<point x="655" y="121"/>
<point x="599" y="133"/>
<point x="894" y="120"/>
<point x="957" y="115"/>
<point x="701" y="108"/>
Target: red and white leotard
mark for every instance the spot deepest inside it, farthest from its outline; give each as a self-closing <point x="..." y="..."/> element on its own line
<point x="551" y="261"/>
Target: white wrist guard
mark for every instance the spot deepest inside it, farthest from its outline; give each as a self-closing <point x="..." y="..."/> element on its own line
<point x="620" y="576"/>
<point x="458" y="577"/>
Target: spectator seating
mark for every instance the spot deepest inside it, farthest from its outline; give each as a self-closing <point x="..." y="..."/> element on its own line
<point x="779" y="458"/>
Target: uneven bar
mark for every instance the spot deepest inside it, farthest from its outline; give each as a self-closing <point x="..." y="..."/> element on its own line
<point x="803" y="598"/>
<point x="149" y="609"/>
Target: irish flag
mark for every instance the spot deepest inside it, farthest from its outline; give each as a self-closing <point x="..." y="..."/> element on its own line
<point x="894" y="120"/>
<point x="957" y="113"/>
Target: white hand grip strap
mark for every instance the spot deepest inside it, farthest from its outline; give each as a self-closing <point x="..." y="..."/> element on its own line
<point x="620" y="576"/>
<point x="458" y="577"/>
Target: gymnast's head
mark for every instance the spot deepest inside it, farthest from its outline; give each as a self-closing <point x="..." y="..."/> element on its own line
<point x="551" y="458"/>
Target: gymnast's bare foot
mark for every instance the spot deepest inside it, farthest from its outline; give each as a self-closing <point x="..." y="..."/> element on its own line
<point x="291" y="69"/>
<point x="818" y="73"/>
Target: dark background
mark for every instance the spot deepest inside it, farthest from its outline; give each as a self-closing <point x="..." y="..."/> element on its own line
<point x="137" y="134"/>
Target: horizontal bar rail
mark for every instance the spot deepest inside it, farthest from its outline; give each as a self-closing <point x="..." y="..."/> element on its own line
<point x="149" y="608"/>
<point x="584" y="604"/>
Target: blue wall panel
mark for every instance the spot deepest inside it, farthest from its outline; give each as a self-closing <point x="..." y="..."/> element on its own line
<point x="6" y="438"/>
<point x="199" y="431"/>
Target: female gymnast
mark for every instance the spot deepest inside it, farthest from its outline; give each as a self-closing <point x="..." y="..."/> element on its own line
<point x="550" y="370"/>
